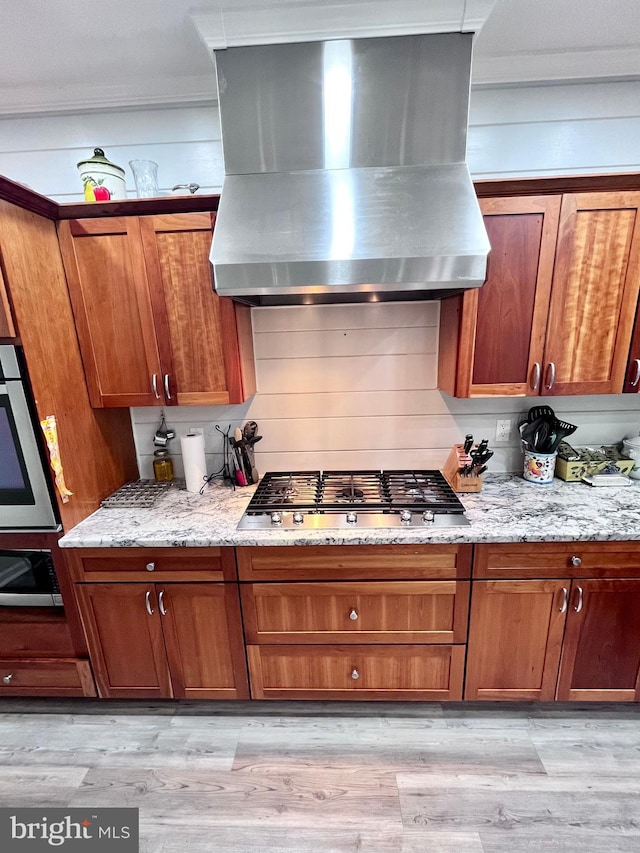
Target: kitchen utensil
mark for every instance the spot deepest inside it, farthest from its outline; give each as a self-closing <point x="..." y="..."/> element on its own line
<point x="536" y="412"/>
<point x="530" y="430"/>
<point x="163" y="435"/>
<point x="557" y="431"/>
<point x="468" y="442"/>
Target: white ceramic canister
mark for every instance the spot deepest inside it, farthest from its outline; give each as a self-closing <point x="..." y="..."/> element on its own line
<point x="539" y="467"/>
<point x="631" y="448"/>
<point x="101" y="179"/>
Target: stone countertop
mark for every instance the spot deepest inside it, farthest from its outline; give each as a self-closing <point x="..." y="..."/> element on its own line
<point x="508" y="509"/>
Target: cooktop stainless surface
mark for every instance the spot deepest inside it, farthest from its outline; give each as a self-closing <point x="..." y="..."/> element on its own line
<point x="348" y="499"/>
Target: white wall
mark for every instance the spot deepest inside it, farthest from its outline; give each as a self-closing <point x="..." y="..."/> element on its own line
<point x="513" y="131"/>
<point x="354" y="386"/>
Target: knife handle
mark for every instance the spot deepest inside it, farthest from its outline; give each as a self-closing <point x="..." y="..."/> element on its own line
<point x="468" y="442"/>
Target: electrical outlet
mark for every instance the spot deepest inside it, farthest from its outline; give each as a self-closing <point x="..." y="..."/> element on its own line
<point x="503" y="430"/>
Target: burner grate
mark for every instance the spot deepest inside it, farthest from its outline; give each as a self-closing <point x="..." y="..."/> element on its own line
<point x="363" y="491"/>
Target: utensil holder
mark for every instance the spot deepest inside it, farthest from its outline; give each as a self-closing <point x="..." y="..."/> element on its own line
<point x="456" y="460"/>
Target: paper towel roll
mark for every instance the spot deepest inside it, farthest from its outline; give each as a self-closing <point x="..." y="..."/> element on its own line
<point x="195" y="466"/>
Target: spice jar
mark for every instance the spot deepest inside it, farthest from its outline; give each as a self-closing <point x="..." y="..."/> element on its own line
<point x="162" y="466"/>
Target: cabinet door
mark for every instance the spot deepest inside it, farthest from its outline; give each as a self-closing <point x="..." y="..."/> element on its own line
<point x="515" y="637"/>
<point x="492" y="338"/>
<point x="193" y="335"/>
<point x="107" y="281"/>
<point x="7" y="328"/>
<point x="601" y="652"/>
<point x="203" y="635"/>
<point x="125" y="641"/>
<point x="595" y="290"/>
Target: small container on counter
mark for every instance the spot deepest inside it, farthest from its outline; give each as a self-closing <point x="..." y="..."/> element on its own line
<point x="162" y="466"/>
<point x="102" y="179"/>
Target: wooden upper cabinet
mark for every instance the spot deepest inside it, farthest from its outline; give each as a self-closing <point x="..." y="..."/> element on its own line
<point x="556" y="313"/>
<point x="7" y="327"/>
<point x="594" y="295"/>
<point x="151" y="329"/>
<point x="107" y="281"/>
<point x="492" y="338"/>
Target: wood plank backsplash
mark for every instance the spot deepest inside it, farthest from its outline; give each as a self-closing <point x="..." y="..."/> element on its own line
<point x="354" y="386"/>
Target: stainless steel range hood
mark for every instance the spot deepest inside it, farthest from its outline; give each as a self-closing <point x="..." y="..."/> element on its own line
<point x="345" y="178"/>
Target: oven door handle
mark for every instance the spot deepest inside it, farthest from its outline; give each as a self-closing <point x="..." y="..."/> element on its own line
<point x="27" y="599"/>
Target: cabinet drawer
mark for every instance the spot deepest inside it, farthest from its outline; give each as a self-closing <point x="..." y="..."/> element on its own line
<point x="354" y="562"/>
<point x="61" y="677"/>
<point x="356" y="672"/>
<point x="152" y="565"/>
<point x="365" y="612"/>
<point x="557" y="560"/>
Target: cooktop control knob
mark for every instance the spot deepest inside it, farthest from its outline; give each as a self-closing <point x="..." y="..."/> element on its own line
<point x="276" y="518"/>
<point x="298" y="518"/>
<point x="428" y="515"/>
<point x="405" y="516"/>
<point x="352" y="518"/>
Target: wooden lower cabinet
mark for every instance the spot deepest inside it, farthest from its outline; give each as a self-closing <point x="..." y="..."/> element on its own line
<point x="421" y="672"/>
<point x="515" y="639"/>
<point x="601" y="651"/>
<point x="165" y="640"/>
<point x="569" y="638"/>
<point x="360" y="612"/>
<point x="42" y="677"/>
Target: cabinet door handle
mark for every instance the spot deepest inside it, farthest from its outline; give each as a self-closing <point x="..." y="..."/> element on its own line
<point x="565" y="600"/>
<point x="636" y="375"/>
<point x="161" y="606"/>
<point x="578" y="607"/>
<point x="353" y="615"/>
<point x="355" y="674"/>
<point x="167" y="390"/>
<point x="154" y="386"/>
<point x="147" y="602"/>
<point x="7" y="679"/>
<point x="536" y="374"/>
<point x="551" y="375"/>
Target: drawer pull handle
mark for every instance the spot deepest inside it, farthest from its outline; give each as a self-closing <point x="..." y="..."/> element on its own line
<point x="147" y="602"/>
<point x="551" y="375"/>
<point x="7" y="679"/>
<point x="355" y="674"/>
<point x="576" y="561"/>
<point x="537" y="374"/>
<point x="154" y="386"/>
<point x="636" y="375"/>
<point x="150" y="567"/>
<point x="163" y="609"/>
<point x="578" y="607"/>
<point x="565" y="600"/>
<point x="353" y="615"/>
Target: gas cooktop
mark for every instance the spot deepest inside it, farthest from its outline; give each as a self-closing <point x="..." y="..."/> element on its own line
<point x="347" y="499"/>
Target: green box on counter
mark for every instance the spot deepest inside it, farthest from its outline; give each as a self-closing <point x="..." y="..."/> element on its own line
<point x="575" y="471"/>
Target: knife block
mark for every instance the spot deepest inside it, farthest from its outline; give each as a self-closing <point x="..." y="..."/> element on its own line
<point x="458" y="459"/>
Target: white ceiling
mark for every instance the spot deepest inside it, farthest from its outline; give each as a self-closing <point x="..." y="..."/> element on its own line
<point x="79" y="54"/>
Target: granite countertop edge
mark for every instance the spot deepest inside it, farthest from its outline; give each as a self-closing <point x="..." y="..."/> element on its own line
<point x="508" y="509"/>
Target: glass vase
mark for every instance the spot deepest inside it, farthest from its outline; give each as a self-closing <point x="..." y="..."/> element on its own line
<point x="145" y="175"/>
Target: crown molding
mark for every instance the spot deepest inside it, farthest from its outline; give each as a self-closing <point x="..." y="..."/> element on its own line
<point x="555" y="66"/>
<point x="81" y="97"/>
<point x="247" y="25"/>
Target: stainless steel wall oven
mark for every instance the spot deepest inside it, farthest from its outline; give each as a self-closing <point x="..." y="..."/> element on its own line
<point x="26" y="500"/>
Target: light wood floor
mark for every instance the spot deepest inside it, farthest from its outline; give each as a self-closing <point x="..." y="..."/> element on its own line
<point x="336" y="777"/>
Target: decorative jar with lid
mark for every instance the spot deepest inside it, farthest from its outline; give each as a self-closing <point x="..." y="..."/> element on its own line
<point x="102" y="180"/>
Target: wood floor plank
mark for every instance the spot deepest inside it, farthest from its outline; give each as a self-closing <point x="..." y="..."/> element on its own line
<point x="596" y="750"/>
<point x="304" y="798"/>
<point x="435" y="750"/>
<point x="22" y="787"/>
